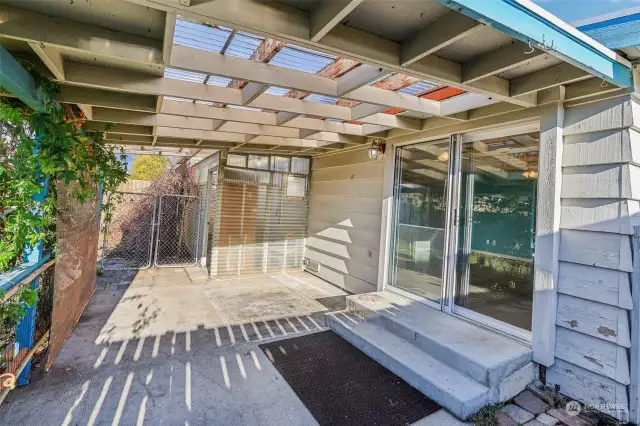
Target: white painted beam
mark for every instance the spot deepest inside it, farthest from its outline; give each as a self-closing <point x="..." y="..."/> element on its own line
<point x="500" y="60"/>
<point x="546" y="271"/>
<point x="365" y="110"/>
<point x="120" y="47"/>
<point x="361" y="76"/>
<point x="189" y="58"/>
<point x="327" y="15"/>
<point x="51" y="57"/>
<point x="292" y="25"/>
<point x="451" y="27"/>
<point x="167" y="43"/>
<point x="282" y="117"/>
<point x="251" y="91"/>
<point x="553" y="76"/>
<point x="106" y="98"/>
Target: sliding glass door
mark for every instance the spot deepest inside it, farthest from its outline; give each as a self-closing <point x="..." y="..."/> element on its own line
<point x="463" y="227"/>
<point x="494" y="270"/>
<point x="418" y="239"/>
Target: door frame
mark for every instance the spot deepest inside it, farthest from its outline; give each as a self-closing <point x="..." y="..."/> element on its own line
<point x="452" y="221"/>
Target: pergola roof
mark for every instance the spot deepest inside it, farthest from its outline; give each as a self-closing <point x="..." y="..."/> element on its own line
<point x="303" y="76"/>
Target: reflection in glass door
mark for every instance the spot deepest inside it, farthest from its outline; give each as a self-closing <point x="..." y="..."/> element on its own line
<point x="418" y="239"/>
<point x="494" y="270"/>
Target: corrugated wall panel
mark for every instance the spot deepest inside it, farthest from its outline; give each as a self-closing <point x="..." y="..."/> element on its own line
<point x="259" y="228"/>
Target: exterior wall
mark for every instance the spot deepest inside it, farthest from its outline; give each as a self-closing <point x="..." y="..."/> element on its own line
<point x="344" y="219"/>
<point x="75" y="271"/>
<point x="600" y="195"/>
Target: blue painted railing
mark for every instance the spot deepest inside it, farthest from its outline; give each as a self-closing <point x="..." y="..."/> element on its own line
<point x="20" y="342"/>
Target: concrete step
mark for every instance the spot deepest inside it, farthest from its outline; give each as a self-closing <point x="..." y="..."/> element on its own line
<point x="484" y="355"/>
<point x="454" y="391"/>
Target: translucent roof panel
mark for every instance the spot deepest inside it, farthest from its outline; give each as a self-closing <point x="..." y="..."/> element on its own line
<point x="207" y="103"/>
<point x="418" y="88"/>
<point x="200" y="36"/>
<point x="171" y="98"/>
<point x="300" y="59"/>
<point x="243" y="45"/>
<point x="243" y="107"/>
<point x="177" y="74"/>
<point x="321" y="98"/>
<point x="277" y="91"/>
<point x="215" y="80"/>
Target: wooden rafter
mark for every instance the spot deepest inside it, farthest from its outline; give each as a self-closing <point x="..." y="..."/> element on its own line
<point x="264" y="53"/>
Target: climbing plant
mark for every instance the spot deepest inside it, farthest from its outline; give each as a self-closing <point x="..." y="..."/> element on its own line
<point x="38" y="149"/>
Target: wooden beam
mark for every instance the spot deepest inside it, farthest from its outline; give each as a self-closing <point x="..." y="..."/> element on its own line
<point x="327" y="15"/>
<point x="106" y="98"/>
<point x="441" y="33"/>
<point x="167" y="43"/>
<point x="263" y="54"/>
<point x="500" y="60"/>
<point x="292" y="25"/>
<point x="118" y="46"/>
<point x="51" y="57"/>
<point x="251" y="91"/>
<point x="553" y="76"/>
<point x="19" y="82"/>
<point x="358" y="77"/>
<point x="545" y="294"/>
<point x="189" y="58"/>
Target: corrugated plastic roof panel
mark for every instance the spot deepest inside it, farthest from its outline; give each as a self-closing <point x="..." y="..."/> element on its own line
<point x="277" y="91"/>
<point x="243" y="45"/>
<point x="177" y="74"/>
<point x="200" y="36"/>
<point x="215" y="80"/>
<point x="300" y="59"/>
<point x="321" y="98"/>
<point x="418" y="88"/>
<point x="171" y="98"/>
<point x="244" y="107"/>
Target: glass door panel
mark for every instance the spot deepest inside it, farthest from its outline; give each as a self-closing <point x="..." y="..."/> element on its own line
<point x="418" y="239"/>
<point x="494" y="268"/>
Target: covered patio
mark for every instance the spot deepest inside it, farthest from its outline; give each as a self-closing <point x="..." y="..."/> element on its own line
<point x="156" y="347"/>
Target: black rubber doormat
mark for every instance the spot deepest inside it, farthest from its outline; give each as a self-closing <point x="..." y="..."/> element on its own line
<point x="340" y="385"/>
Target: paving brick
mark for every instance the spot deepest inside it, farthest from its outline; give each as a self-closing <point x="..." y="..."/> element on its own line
<point x="504" y="420"/>
<point x="547" y="420"/>
<point x="518" y="414"/>
<point x="534" y="422"/>
<point x="531" y="403"/>
<point x="569" y="420"/>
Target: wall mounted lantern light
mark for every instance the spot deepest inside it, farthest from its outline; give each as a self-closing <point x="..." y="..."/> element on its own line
<point x="376" y="150"/>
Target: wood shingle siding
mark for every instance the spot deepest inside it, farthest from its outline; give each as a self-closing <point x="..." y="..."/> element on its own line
<point x="599" y="206"/>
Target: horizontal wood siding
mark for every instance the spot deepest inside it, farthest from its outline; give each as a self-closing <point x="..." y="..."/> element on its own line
<point x="600" y="204"/>
<point x="344" y="219"/>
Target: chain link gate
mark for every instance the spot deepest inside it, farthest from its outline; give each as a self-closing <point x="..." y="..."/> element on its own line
<point x="178" y="234"/>
<point x="128" y="231"/>
<point x="142" y="230"/>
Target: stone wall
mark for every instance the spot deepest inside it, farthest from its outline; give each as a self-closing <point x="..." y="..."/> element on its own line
<point x="75" y="270"/>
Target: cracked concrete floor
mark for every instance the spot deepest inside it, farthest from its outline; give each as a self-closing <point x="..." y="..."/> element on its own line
<point x="166" y="350"/>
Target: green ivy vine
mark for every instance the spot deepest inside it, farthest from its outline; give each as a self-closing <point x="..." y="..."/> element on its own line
<point x="42" y="148"/>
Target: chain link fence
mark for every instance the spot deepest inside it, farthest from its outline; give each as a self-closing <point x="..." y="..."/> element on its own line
<point x="128" y="231"/>
<point x="179" y="230"/>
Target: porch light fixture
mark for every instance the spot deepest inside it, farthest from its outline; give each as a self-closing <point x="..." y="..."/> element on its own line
<point x="530" y="174"/>
<point x="376" y="150"/>
<point x="444" y="156"/>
